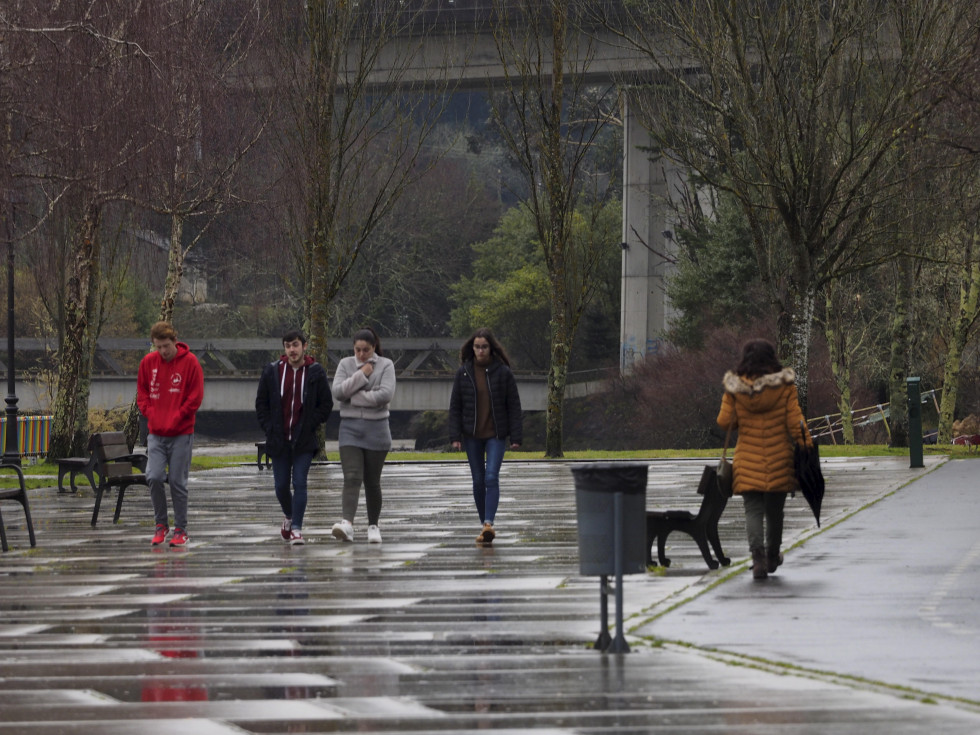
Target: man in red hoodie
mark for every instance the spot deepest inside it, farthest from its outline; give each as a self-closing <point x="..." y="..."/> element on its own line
<point x="169" y="390"/>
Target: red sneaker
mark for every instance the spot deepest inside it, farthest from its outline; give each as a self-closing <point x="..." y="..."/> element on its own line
<point x="179" y="538"/>
<point x="287" y="526"/>
<point x="161" y="535"/>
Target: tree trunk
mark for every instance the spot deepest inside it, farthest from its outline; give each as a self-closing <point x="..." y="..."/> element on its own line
<point x="69" y="426"/>
<point x="175" y="268"/>
<point x="318" y="305"/>
<point x="969" y="304"/>
<point x="799" y="339"/>
<point x="175" y="273"/>
<point x="840" y="366"/>
<point x="318" y="295"/>
<point x="557" y="378"/>
<point x="898" y="361"/>
<point x="132" y="427"/>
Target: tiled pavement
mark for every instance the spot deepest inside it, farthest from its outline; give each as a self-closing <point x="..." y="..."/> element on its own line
<point x="239" y="633"/>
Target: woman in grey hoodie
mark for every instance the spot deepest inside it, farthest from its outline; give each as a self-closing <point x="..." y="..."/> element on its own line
<point x="363" y="386"/>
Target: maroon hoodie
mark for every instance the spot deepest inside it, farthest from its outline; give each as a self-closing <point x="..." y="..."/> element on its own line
<point x="291" y="383"/>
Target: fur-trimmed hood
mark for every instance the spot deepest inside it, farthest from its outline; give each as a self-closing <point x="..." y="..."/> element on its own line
<point x="736" y="384"/>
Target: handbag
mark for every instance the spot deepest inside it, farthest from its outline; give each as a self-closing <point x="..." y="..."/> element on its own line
<point x="718" y="476"/>
<point x="725" y="470"/>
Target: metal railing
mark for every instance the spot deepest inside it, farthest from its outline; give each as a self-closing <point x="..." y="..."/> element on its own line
<point x="832" y="424"/>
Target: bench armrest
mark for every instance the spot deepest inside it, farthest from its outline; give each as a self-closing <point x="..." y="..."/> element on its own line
<point x="137" y="460"/>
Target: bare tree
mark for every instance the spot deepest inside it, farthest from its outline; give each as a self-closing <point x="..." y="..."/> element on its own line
<point x="549" y="116"/>
<point x="88" y="69"/>
<point x="957" y="148"/>
<point x="799" y="109"/>
<point x="362" y="89"/>
<point x="207" y="120"/>
<point x="954" y="262"/>
<point x="206" y="116"/>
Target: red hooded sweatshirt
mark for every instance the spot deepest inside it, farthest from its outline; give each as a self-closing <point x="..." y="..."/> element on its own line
<point x="169" y="393"/>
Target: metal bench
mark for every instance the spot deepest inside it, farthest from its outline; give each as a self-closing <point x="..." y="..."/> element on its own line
<point x="702" y="527"/>
<point x="18" y="494"/>
<point x="115" y="465"/>
<point x="73" y="466"/>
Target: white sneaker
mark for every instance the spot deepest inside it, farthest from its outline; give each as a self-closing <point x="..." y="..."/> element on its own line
<point x="374" y="535"/>
<point x="343" y="530"/>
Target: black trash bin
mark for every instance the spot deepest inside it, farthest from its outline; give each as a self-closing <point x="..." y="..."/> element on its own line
<point x="596" y="486"/>
<point x="611" y="501"/>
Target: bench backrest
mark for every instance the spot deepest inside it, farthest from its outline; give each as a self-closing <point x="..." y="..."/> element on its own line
<point x="107" y="446"/>
<point x="713" y="503"/>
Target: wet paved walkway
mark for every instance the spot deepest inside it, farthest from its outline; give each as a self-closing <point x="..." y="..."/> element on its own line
<point x="239" y="633"/>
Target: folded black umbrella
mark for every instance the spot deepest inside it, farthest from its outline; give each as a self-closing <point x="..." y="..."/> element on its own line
<point x="806" y="464"/>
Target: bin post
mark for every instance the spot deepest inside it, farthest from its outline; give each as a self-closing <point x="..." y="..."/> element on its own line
<point x="915" y="422"/>
<point x="619" y="644"/>
<point x="604" y="640"/>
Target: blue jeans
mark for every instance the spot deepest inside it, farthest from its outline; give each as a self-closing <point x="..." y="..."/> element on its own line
<point x="485" y="457"/>
<point x="298" y="466"/>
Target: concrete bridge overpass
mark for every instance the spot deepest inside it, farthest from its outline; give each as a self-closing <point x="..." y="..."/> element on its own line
<point x="424" y="367"/>
<point x="459" y="37"/>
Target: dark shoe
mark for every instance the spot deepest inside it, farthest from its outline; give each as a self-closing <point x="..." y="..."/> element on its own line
<point x="773" y="560"/>
<point x="759" y="565"/>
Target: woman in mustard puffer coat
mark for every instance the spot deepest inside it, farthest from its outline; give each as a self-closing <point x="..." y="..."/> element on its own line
<point x="761" y="403"/>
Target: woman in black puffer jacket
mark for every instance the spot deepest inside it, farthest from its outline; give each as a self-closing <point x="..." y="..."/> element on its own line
<point x="484" y="411"/>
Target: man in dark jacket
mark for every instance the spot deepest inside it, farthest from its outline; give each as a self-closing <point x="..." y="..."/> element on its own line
<point x="292" y="401"/>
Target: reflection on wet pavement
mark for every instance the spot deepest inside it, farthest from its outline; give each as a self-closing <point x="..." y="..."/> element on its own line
<point x="427" y="632"/>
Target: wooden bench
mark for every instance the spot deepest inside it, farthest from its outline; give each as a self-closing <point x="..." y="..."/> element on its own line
<point x="702" y="527"/>
<point x="73" y="466"/>
<point x="260" y="452"/>
<point x="18" y="494"/>
<point x="115" y="465"/>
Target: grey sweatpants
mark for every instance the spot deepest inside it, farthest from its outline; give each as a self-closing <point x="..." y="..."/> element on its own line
<point x="169" y="456"/>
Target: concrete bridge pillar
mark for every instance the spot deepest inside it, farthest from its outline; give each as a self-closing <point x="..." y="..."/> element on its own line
<point x="648" y="245"/>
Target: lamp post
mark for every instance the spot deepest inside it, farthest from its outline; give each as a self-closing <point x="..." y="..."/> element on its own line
<point x="11" y="450"/>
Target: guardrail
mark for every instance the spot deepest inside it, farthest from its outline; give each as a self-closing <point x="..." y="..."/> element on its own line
<point x="242" y="356"/>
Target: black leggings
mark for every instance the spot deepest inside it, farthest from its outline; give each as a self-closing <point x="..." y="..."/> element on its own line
<point x="362" y="466"/>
